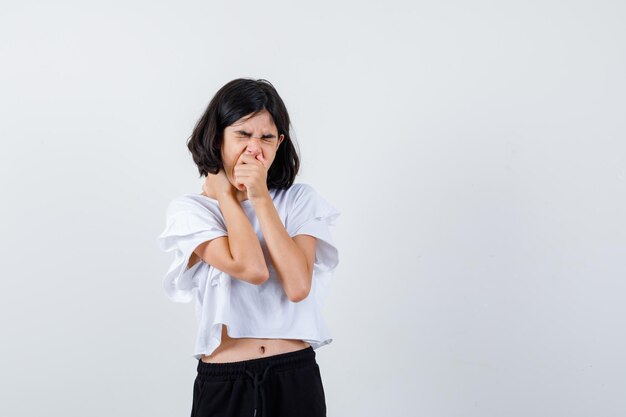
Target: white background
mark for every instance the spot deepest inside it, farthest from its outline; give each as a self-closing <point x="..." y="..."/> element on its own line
<point x="476" y="150"/>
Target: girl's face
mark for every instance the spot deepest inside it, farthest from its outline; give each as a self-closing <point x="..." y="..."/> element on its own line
<point x="252" y="135"/>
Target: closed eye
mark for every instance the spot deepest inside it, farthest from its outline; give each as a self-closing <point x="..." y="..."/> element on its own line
<point x="243" y="133"/>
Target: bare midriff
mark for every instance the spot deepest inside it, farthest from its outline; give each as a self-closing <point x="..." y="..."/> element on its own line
<point x="242" y="349"/>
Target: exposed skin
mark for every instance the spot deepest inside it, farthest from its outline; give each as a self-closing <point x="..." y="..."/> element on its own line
<point x="246" y="160"/>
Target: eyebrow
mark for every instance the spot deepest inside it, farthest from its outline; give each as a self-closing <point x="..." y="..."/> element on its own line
<point x="244" y="133"/>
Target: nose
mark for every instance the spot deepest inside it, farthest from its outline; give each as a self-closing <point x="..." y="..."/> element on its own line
<point x="253" y="148"/>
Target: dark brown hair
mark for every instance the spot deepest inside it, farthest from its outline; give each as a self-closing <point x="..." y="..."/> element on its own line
<point x="236" y="99"/>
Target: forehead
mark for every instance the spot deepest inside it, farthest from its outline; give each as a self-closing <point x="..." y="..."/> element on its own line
<point x="260" y="121"/>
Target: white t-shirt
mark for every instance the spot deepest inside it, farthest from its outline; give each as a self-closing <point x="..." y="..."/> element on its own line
<point x="248" y="310"/>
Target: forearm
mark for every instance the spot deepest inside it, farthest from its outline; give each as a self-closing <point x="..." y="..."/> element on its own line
<point x="287" y="258"/>
<point x="244" y="244"/>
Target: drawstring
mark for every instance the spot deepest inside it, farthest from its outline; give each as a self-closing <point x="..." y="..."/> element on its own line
<point x="257" y="387"/>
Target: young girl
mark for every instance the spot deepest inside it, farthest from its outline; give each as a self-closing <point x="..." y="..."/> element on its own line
<point x="255" y="251"/>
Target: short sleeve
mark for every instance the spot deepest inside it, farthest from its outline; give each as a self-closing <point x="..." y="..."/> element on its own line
<point x="311" y="214"/>
<point x="188" y="224"/>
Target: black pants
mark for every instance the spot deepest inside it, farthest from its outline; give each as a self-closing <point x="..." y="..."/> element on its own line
<point x="284" y="385"/>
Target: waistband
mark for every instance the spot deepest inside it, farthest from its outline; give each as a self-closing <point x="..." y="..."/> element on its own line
<point x="280" y="362"/>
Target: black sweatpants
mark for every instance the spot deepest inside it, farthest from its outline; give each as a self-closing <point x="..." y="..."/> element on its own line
<point x="284" y="385"/>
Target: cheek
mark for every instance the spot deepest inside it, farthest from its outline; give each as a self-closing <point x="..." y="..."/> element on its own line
<point x="230" y="158"/>
<point x="230" y="153"/>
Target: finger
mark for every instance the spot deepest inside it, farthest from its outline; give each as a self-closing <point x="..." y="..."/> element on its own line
<point x="251" y="159"/>
<point x="246" y="171"/>
<point x="261" y="158"/>
<point x="241" y="186"/>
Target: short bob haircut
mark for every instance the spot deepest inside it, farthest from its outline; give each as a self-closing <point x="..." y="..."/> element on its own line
<point x="236" y="99"/>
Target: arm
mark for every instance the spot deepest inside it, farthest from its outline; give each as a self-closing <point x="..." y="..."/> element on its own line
<point x="292" y="258"/>
<point x="239" y="254"/>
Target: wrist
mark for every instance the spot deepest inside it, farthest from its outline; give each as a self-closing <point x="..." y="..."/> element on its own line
<point x="225" y="195"/>
<point x="262" y="199"/>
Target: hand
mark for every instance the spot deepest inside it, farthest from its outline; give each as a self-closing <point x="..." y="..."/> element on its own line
<point x="217" y="184"/>
<point x="250" y="174"/>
